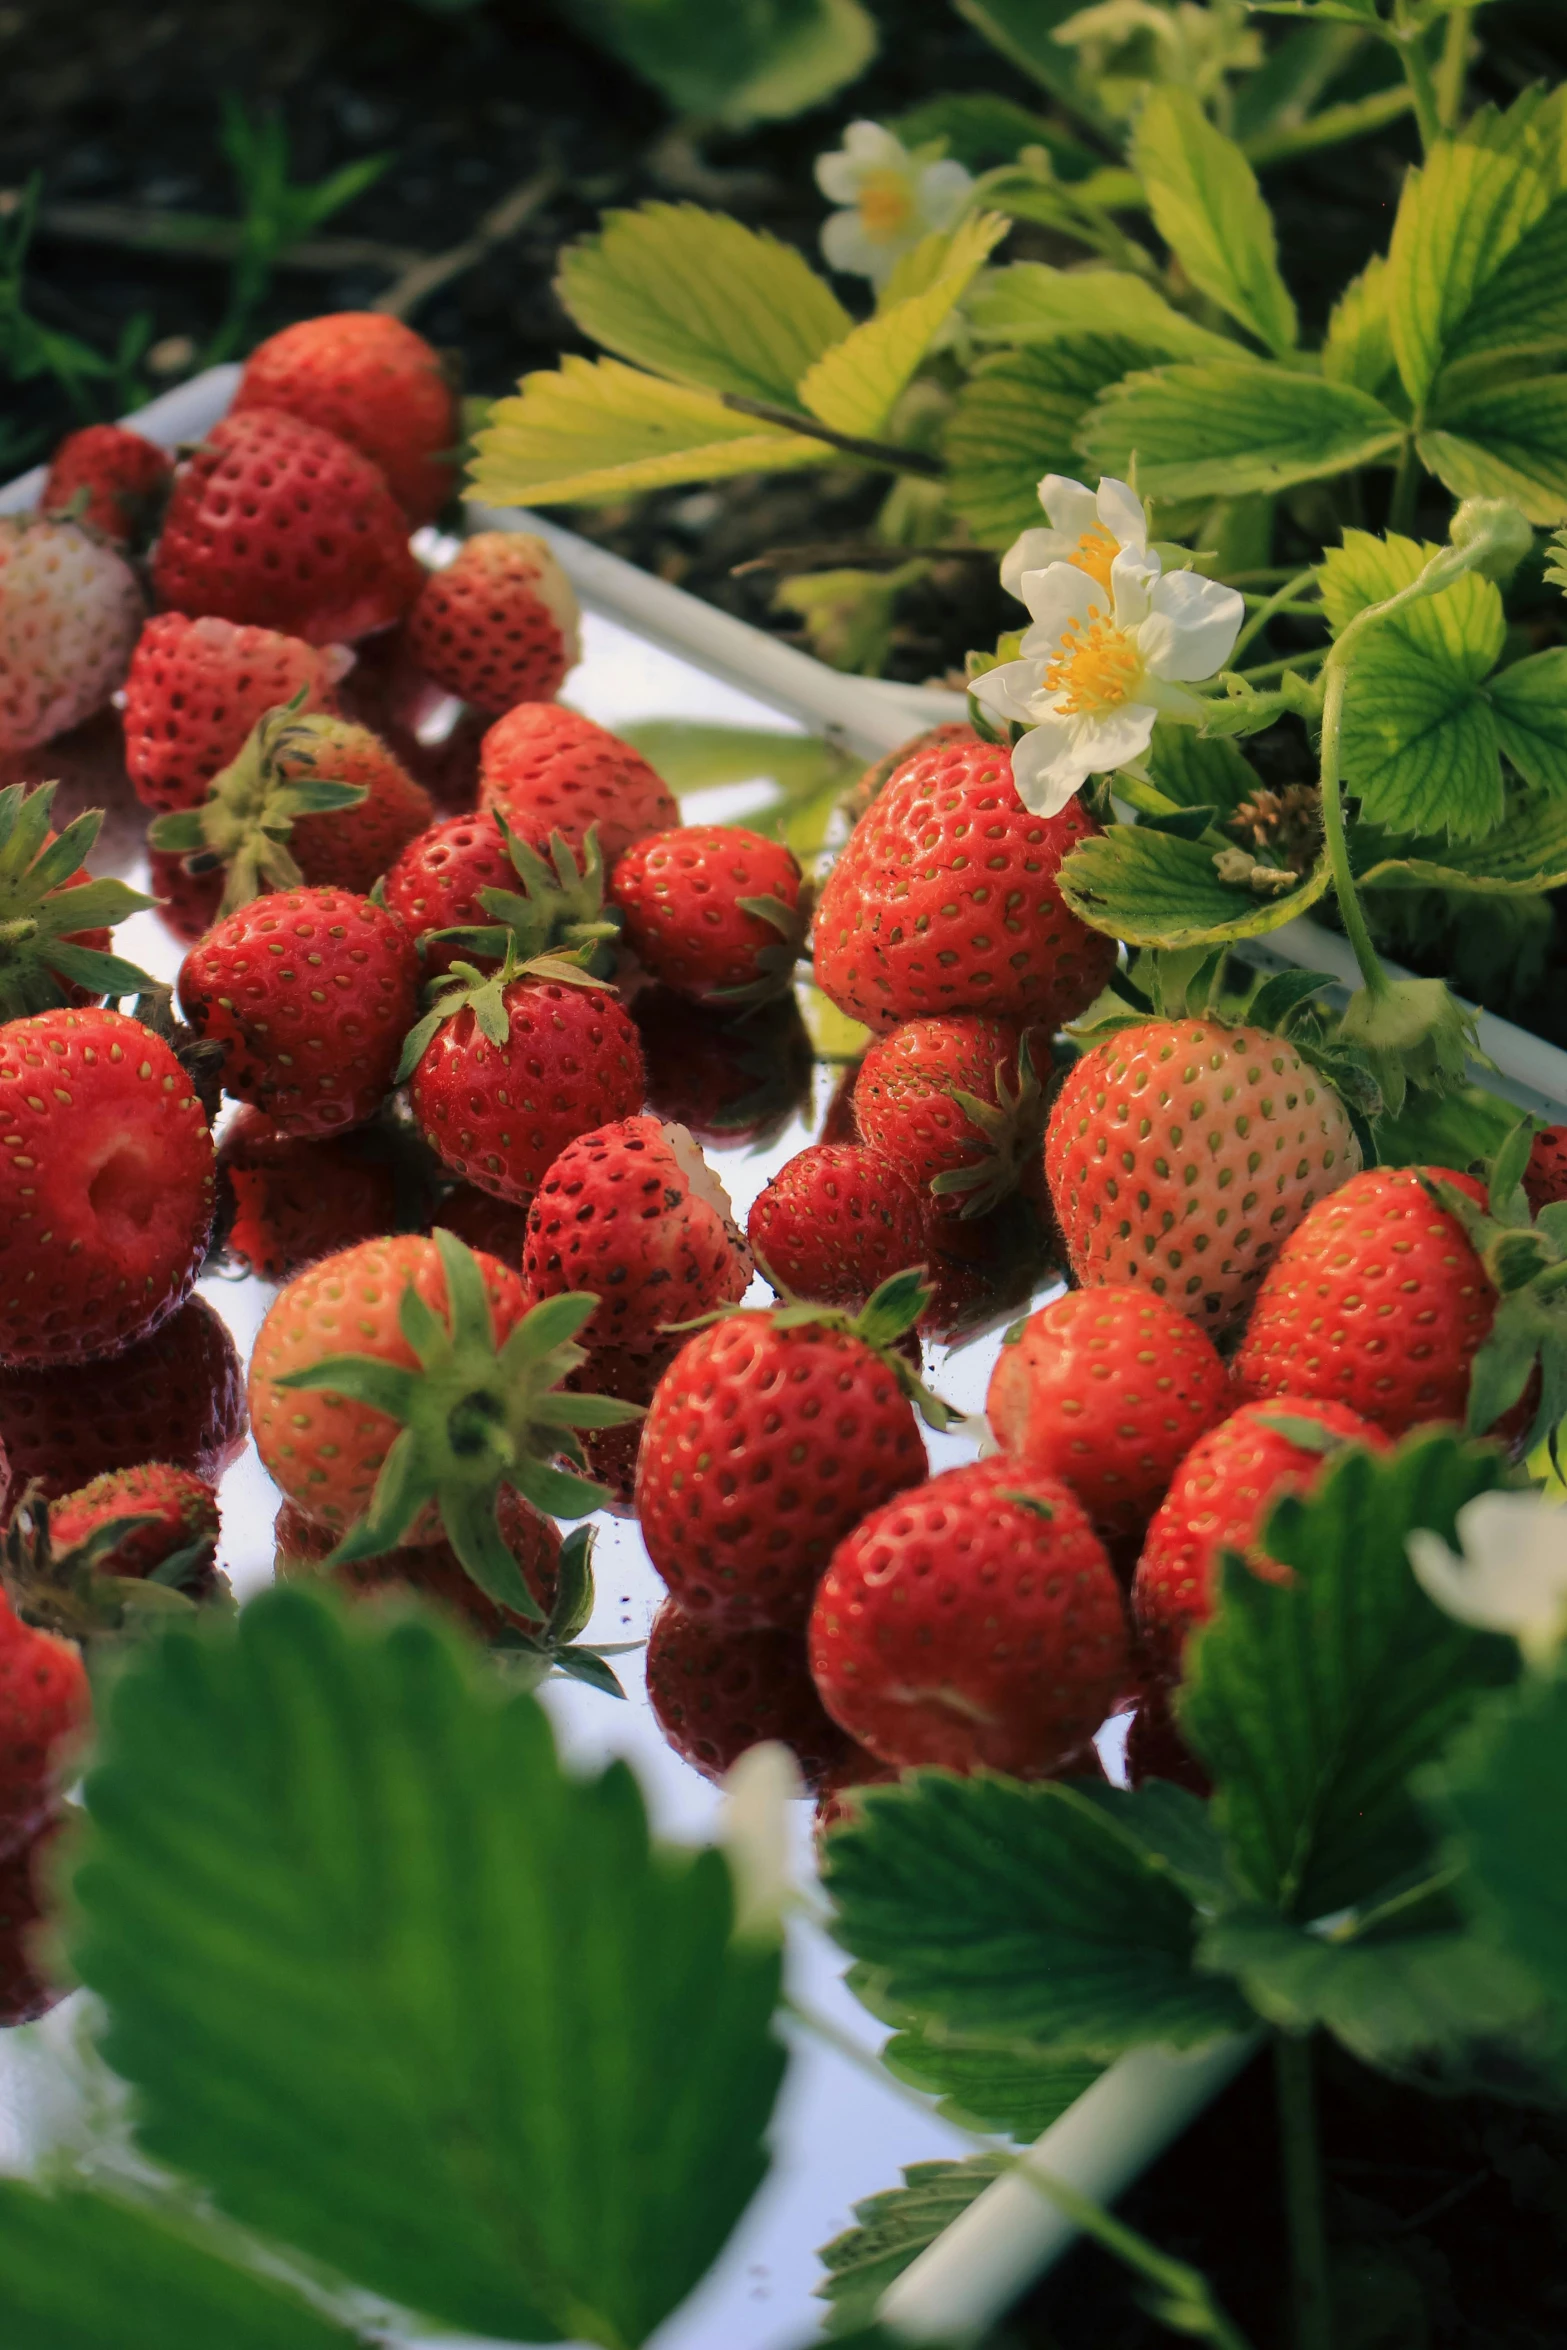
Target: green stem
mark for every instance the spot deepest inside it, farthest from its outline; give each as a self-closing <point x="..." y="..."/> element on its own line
<point x="880" y="453"/>
<point x="1411" y="48"/>
<point x="1406" y="488"/>
<point x="1354" y="120"/>
<point x="1453" y="68"/>
<point x="1303" y="2193"/>
<point x="1282" y="600"/>
<point x="1335" y="682"/>
<point x="1290" y="661"/>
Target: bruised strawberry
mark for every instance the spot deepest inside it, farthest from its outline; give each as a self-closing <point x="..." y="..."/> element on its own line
<point x="716" y="1694"/>
<point x="499" y="625"/>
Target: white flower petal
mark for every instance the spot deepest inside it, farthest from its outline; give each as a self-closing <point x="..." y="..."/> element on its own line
<point x="1192" y="628"/>
<point x="875" y="147"/>
<point x="1031" y="551"/>
<point x="1133" y="577"/>
<point x="1010" y="691"/>
<point x="757" y="1836"/>
<point x="846" y="247"/>
<point x="1057" y="757"/>
<point x="1055" y="597"/>
<point x="1512" y="1576"/>
<point x="1171" y="701"/>
<point x="1114" y="736"/>
<point x="838" y="177"/>
<point x="1121" y="511"/>
<point x="943" y="192"/>
<point x="1069" y="507"/>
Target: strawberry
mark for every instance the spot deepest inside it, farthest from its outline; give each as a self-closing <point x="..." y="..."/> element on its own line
<point x="295" y="1200"/>
<point x="546" y="770"/>
<point x="973" y="1623"/>
<point x="313" y="993"/>
<point x="187" y="902"/>
<point x="1181" y="1155"/>
<point x="278" y="524"/>
<point x="27" y="1988"/>
<point x="727" y="1079"/>
<point x="434" y="883"/>
<point x="374" y="383"/>
<point x="112" y="479"/>
<point x="714" y="911"/>
<point x="953" y="1100"/>
<point x="1107" y="1389"/>
<point x="945" y="900"/>
<point x="611" y="1453"/>
<point x="431" y="1571"/>
<point x="835" y="1221"/>
<point x="770" y="1436"/>
<point x="498" y="1227"/>
<point x="53" y="917"/>
<point x="981" y="1272"/>
<point x="462" y="902"/>
<point x="1545" y="1176"/>
<point x="1220" y="1499"/>
<point x="177" y="1397"/>
<point x="106" y="1185"/>
<point x="451" y="1392"/>
<point x="308" y="800"/>
<point x="182" y="1510"/>
<point x="836" y="1796"/>
<point x="715" y="1694"/>
<point x="1378" y="1301"/>
<point x="70" y="612"/>
<point x="434" y="736"/>
<point x="195" y="689"/>
<point x="45" y="1715"/>
<point x="1155" y="1748"/>
<point x="879" y="774"/>
<point x="499" y="625"/>
<point x="506" y="1070"/>
<point x="633" y="1213"/>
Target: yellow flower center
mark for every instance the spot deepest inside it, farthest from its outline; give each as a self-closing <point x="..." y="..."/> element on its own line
<point x="1096" y="667"/>
<point x="886" y="204"/>
<point x="1096" y="551"/>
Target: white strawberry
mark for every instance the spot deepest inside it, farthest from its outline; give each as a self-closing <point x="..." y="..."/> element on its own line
<point x="70" y="614"/>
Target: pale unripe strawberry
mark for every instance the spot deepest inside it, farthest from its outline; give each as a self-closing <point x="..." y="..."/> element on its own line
<point x="70" y="614"/>
<point x="498" y="626"/>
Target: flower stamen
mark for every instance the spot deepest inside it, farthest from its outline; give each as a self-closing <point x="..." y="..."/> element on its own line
<point x="1095" y="552"/>
<point x="1096" y="668"/>
<point x="886" y="205"/>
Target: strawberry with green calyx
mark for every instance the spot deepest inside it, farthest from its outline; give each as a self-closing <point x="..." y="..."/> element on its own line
<point x="954" y="1100"/>
<point x="1523" y="1358"/>
<point x="560" y="908"/>
<point x="461" y="1415"/>
<point x="715" y="911"/>
<point x="70" y="1587"/>
<point x="310" y="798"/>
<point x="51" y="915"/>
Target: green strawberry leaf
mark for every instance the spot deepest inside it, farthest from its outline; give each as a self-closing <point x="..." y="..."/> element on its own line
<point x="358" y="1935"/>
<point x="1153" y="889"/>
<point x="999" y="2091"/>
<point x="1219" y="428"/>
<point x="1208" y="208"/>
<point x="1017" y="416"/>
<point x="892" y="2229"/>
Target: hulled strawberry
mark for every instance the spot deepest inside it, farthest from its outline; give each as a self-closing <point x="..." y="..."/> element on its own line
<point x="194" y="690"/>
<point x="769" y="1437"/>
<point x="376" y="384"/>
<point x="108" y="477"/>
<point x="309" y="800"/>
<point x="27" y="1987"/>
<point x="54" y="918"/>
<point x="313" y="992"/>
<point x="1377" y="1301"/>
<point x="546" y="770"/>
<point x="499" y="625"/>
<point x="714" y="911"/>
<point x="716" y="1694"/>
<point x="1220" y="1499"/>
<point x="973" y="1624"/>
<point x="45" y="1713"/>
<point x="464" y="902"/>
<point x="945" y="900"/>
<point x="729" y="1078"/>
<point x="294" y="1199"/>
<point x="179" y="1397"/>
<point x="70" y="612"/>
<point x="835" y="1221"/>
<point x="276" y="523"/>
<point x="431" y="1571"/>
<point x="106" y="1185"/>
<point x="396" y="1389"/>
<point x="1181" y="1155"/>
<point x="177" y="1540"/>
<point x="506" y="1070"/>
<point x="954" y="1100"/>
<point x="1107" y="1389"/>
<point x="633" y="1213"/>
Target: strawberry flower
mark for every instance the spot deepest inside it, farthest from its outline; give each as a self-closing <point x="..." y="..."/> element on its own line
<point x="890" y="198"/>
<point x="1114" y="646"/>
<point x="1512" y="1576"/>
<point x="1087" y="527"/>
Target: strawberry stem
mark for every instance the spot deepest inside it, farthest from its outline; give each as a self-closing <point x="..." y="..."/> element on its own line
<point x="1302" y="2166"/>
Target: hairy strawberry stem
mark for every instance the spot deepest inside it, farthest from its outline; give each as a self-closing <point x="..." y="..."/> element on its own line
<point x="1302" y="2165"/>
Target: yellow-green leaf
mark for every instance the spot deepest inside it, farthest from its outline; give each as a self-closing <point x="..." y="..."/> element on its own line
<point x="1509" y="442"/>
<point x="698" y="296"/>
<point x="1153" y="889"/>
<point x="1527" y="853"/>
<point x="1016" y="419"/>
<point x="1209" y="210"/>
<point x="1220" y="428"/>
<point x="1032" y="303"/>
<point x="1462" y="629"/>
<point x="596" y="431"/>
<point x="855" y="386"/>
<point x="1359" y="345"/>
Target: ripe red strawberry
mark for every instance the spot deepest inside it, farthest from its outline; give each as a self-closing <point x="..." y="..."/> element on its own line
<point x="179" y="1396"/>
<point x="54" y="918"/>
<point x="945" y="900"/>
<point x="278" y="524"/>
<point x="837" y="1802"/>
<point x="716" y="1694"/>
<point x="546" y="770"/>
<point x="397" y="1388"/>
<point x="434" y="736"/>
<point x="714" y="911"/>
<point x="1219" y="1499"/>
<point x="499" y="1227"/>
<point x="1377" y="1301"/>
<point x="26" y="1990"/>
<point x="505" y="1071"/>
<point x="769" y="1437"/>
<point x="633" y="1213"/>
<point x="195" y="689"/>
<point x="434" y="883"/>
<point x="187" y="902"/>
<point x="431" y="1571"/>
<point x="45" y="1713"/>
<point x="499" y="625"/>
<point x="954" y="1100"/>
<point x="875" y="779"/>
<point x="70" y="612"/>
<point x="974" y="1624"/>
<point x="463" y="902"/>
<point x="835" y="1221"/>
<point x="108" y="477"/>
<point x="727" y="1080"/>
<point x="313" y="991"/>
<point x="1545" y="1177"/>
<point x="374" y="383"/>
<point x="1107" y="1389"/>
<point x="295" y="1200"/>
<point x="106" y="1185"/>
<point x="1181" y="1154"/>
<point x="183" y="1514"/>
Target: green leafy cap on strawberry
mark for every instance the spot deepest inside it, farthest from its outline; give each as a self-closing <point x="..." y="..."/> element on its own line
<point x="474" y="1417"/>
<point x="244" y="823"/>
<point x="775" y="965"/>
<point x="559" y="909"/>
<point x="465" y="989"/>
<point x="1013" y="1126"/>
<point x="556" y="1647"/>
<point x="41" y="918"/>
<point x="62" y="1591"/>
<point x="1525" y="1259"/>
<point x="887" y="1315"/>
